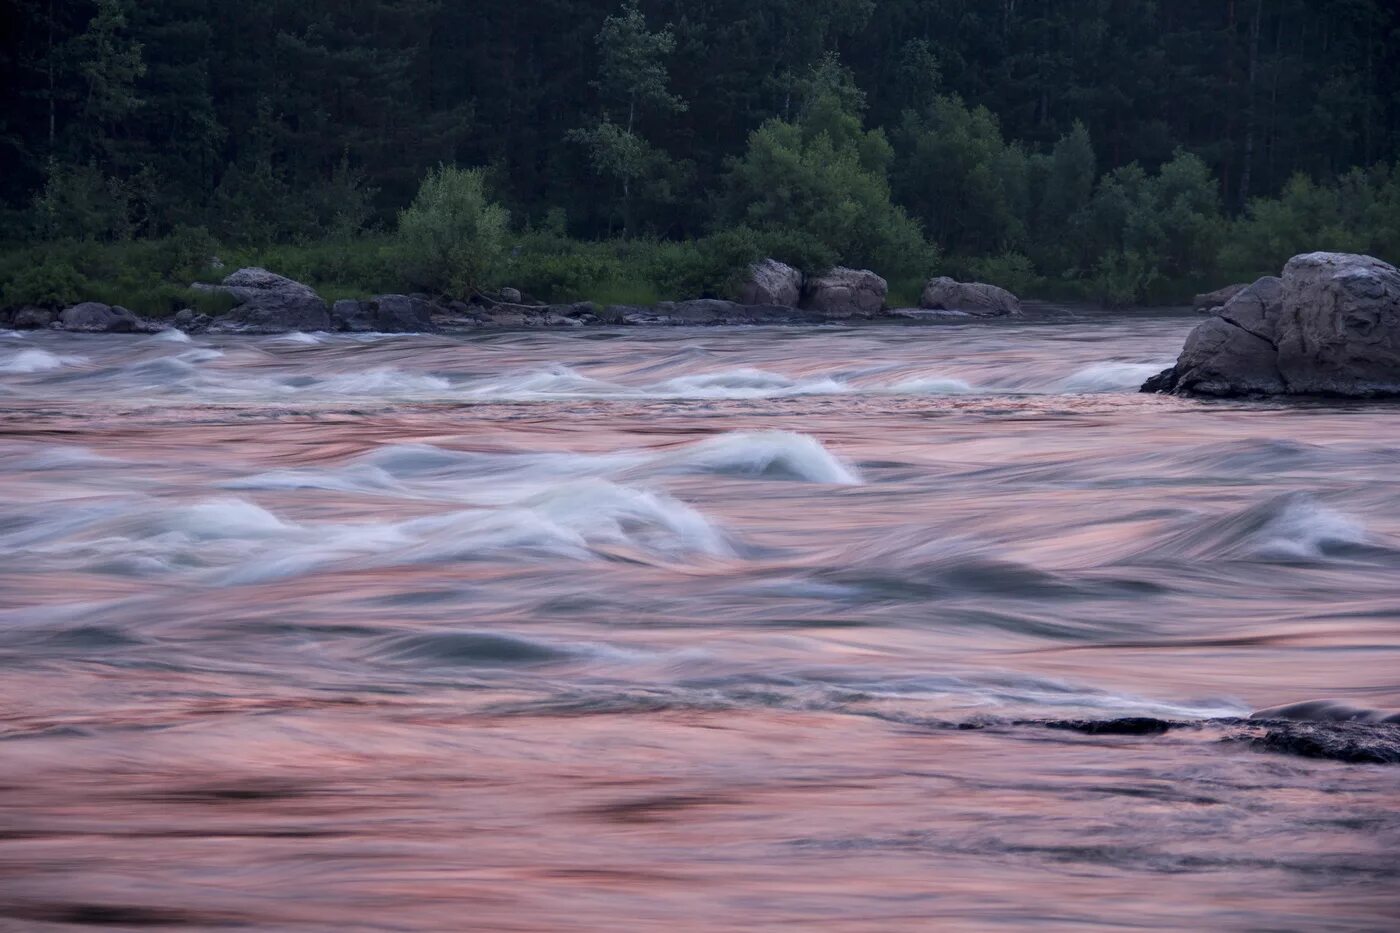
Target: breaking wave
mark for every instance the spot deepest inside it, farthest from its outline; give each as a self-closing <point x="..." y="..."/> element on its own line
<point x="25" y="362"/>
<point x="1293" y="527"/>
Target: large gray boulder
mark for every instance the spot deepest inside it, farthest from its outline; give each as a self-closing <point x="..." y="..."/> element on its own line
<point x="93" y="317"/>
<point x="1330" y="326"/>
<point x="384" y="314"/>
<point x="1340" y="329"/>
<point x="772" y="283"/>
<point x="267" y="303"/>
<point x="1209" y="301"/>
<point x="845" y="293"/>
<point x="976" y="298"/>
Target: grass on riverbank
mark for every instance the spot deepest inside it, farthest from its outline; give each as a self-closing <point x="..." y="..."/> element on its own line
<point x="152" y="277"/>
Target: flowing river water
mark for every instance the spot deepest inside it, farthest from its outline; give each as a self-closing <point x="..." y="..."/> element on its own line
<point x="722" y="629"/>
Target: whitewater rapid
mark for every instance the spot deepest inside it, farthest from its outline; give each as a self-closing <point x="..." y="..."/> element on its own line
<point x="594" y="630"/>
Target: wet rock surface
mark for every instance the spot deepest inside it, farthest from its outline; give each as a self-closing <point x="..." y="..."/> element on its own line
<point x="96" y="318"/>
<point x="772" y="283"/>
<point x="1330" y="326"/>
<point x="385" y="314"/>
<point x="1207" y="302"/>
<point x="1347" y="741"/>
<point x="268" y="303"/>
<point x="845" y="293"/>
<point x="974" y="298"/>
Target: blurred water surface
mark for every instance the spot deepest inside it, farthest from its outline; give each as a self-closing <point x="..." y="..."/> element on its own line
<point x="610" y="629"/>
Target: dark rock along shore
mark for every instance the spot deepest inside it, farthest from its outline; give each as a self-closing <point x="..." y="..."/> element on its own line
<point x="264" y="302"/>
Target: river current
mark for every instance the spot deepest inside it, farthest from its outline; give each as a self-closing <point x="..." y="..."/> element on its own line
<point x="723" y="629"/>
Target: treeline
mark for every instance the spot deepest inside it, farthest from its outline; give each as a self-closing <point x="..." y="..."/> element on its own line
<point x="1125" y="151"/>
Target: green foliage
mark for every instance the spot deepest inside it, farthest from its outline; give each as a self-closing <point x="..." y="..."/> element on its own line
<point x="824" y="177"/>
<point x="704" y="131"/>
<point x="79" y="202"/>
<point x="52" y="284"/>
<point x="1012" y="271"/>
<point x="1147" y="228"/>
<point x="1359" y="212"/>
<point x="557" y="270"/>
<point x="1122" y="279"/>
<point x="958" y="176"/>
<point x="452" y="234"/>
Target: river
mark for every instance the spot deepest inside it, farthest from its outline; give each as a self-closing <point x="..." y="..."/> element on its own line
<point x="723" y="629"/>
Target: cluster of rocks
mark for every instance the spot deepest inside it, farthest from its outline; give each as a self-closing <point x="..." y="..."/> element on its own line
<point x="1330" y="326"/>
<point x="90" y="317"/>
<point x="263" y="302"/>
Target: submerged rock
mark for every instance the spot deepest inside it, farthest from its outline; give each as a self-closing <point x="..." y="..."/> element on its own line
<point x="1349" y="742"/>
<point x="845" y="293"/>
<point x="772" y="283"/>
<point x="267" y="303"/>
<point x="1363" y="741"/>
<point x="1330" y="326"/>
<point x="975" y="298"/>
<point x="93" y="317"/>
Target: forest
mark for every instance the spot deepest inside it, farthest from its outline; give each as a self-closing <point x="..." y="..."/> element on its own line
<point x="1121" y="151"/>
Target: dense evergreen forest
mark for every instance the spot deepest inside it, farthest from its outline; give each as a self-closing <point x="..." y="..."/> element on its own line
<point x="1124" y="150"/>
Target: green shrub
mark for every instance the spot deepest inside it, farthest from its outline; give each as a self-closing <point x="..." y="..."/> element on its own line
<point x="452" y="234"/>
<point x="553" y="269"/>
<point x="186" y="253"/>
<point x="51" y="284"/>
<point x="1123" y="279"/>
<point x="1012" y="271"/>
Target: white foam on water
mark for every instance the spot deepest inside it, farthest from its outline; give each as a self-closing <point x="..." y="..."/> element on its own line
<point x="1293" y="527"/>
<point x="555" y="382"/>
<point x="426" y="471"/>
<point x="358" y="478"/>
<point x="171" y="335"/>
<point x="932" y="385"/>
<point x="572" y="520"/>
<point x="53" y="457"/>
<point x="1304" y="529"/>
<point x="776" y="454"/>
<point x="26" y="362"/>
<point x="745" y="384"/>
<point x="298" y="337"/>
<point x="1110" y="377"/>
<point x="236" y="541"/>
<point x="380" y="382"/>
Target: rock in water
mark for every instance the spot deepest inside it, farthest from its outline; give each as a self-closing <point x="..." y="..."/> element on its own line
<point x="772" y="283"/>
<point x="844" y="293"/>
<point x="1208" y="302"/>
<point x="96" y="318"/>
<point x="1234" y="352"/>
<point x="384" y="314"/>
<point x="31" y="318"/>
<point x="977" y="298"/>
<point x="1330" y="326"/>
<point x="267" y="303"/>
<point x="1340" y="330"/>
